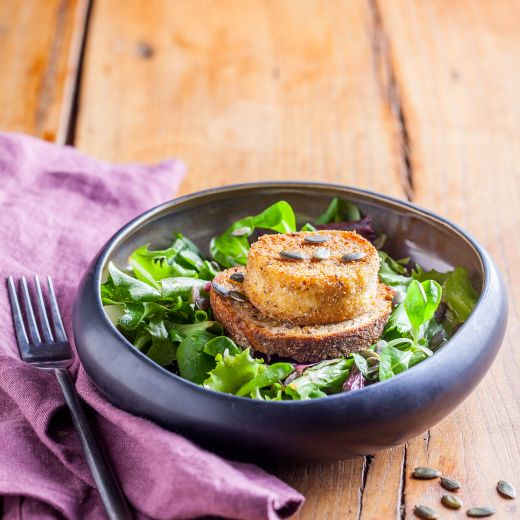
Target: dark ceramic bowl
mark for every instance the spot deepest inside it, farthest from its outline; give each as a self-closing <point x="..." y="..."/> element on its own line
<point x="339" y="426"/>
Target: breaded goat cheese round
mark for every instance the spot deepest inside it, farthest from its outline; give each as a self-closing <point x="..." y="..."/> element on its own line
<point x="311" y="278"/>
<point x="248" y="327"/>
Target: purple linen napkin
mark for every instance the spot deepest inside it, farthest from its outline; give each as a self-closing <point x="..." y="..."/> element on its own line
<point x="57" y="208"/>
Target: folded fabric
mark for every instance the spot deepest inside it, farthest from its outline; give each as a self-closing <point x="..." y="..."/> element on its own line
<point x="57" y="207"/>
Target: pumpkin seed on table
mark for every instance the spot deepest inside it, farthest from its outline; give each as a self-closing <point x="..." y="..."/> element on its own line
<point x="238" y="277"/>
<point x="220" y="289"/>
<point x="351" y="257"/>
<point x="322" y="253"/>
<point x="450" y="483"/>
<point x="506" y="489"/>
<point x="481" y="512"/>
<point x="425" y="512"/>
<point x="425" y="473"/>
<point x="451" y="501"/>
<point x="237" y="296"/>
<point x="293" y="255"/>
<point x="241" y="232"/>
<point x="316" y="239"/>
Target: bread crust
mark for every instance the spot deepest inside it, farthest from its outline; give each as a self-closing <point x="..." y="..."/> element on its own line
<point x="248" y="327"/>
<point x="310" y="291"/>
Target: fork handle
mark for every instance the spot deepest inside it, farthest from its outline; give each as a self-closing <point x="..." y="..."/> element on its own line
<point x="115" y="503"/>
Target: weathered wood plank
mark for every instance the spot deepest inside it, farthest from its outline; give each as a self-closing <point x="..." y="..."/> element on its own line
<point x="331" y="490"/>
<point x="457" y="66"/>
<point x="40" y="46"/>
<point x="240" y="90"/>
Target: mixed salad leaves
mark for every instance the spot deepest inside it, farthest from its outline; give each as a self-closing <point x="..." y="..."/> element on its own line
<point x="162" y="307"/>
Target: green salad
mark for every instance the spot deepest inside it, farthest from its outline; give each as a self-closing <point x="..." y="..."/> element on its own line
<point x="161" y="300"/>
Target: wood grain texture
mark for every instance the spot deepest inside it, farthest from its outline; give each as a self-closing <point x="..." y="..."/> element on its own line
<point x="40" y="46"/>
<point x="331" y="490"/>
<point x="457" y="65"/>
<point x="241" y="90"/>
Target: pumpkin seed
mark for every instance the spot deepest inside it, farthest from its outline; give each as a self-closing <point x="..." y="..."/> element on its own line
<point x="322" y="253"/>
<point x="373" y="361"/>
<point x="450" y="483"/>
<point x="316" y="239"/>
<point x="481" y="512"/>
<point x="425" y="473"/>
<point x="215" y="265"/>
<point x="220" y="289"/>
<point x="351" y="257"/>
<point x="506" y="489"/>
<point x="238" y="277"/>
<point x="240" y="232"/>
<point x="293" y="255"/>
<point x="367" y="353"/>
<point x="237" y="296"/>
<point x="451" y="501"/>
<point x="425" y="512"/>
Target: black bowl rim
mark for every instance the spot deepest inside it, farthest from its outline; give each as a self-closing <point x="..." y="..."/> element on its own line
<point x="415" y="371"/>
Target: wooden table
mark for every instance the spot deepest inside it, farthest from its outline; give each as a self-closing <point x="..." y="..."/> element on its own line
<point x="417" y="99"/>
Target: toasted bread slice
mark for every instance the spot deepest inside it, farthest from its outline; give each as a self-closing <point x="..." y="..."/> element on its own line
<point x="310" y="290"/>
<point x="248" y="327"/>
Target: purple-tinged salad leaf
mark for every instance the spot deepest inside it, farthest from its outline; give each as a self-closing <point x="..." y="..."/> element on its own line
<point x="355" y="380"/>
<point x="344" y="215"/>
<point x="232" y="247"/>
<point x="363" y="226"/>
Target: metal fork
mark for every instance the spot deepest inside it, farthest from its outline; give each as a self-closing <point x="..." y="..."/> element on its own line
<point x="55" y="354"/>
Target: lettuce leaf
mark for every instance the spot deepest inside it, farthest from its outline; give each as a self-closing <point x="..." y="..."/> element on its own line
<point x="232" y="247"/>
<point x="457" y="293"/>
<point x="194" y="363"/>
<point x="393" y="361"/>
<point x="420" y="304"/>
<point x="163" y="350"/>
<point x="321" y="379"/>
<point x="339" y="210"/>
<point x="393" y="273"/>
<point x="241" y="374"/>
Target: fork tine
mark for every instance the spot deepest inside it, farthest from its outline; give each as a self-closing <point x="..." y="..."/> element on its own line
<point x="44" y="320"/>
<point x="59" y="330"/>
<point x="31" y="320"/>
<point x="19" y="327"/>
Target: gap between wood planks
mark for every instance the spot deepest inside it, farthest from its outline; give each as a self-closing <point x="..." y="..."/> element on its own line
<point x="386" y="79"/>
<point x="68" y="133"/>
<point x="390" y="92"/>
